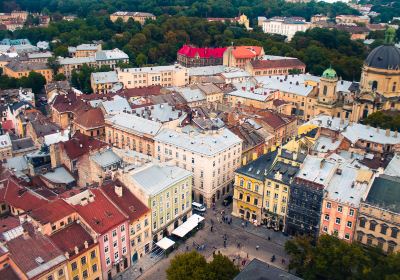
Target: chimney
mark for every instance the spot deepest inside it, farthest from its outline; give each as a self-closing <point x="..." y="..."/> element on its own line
<point x="387" y="133"/>
<point x="76" y="249"/>
<point x="66" y="255"/>
<point x="395" y="133"/>
<point x="86" y="244"/>
<point x="118" y="190"/>
<point x="321" y="165"/>
<point x="377" y="129"/>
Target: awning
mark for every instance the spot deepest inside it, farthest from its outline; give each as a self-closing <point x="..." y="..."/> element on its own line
<point x="165" y="243"/>
<point x="188" y="226"/>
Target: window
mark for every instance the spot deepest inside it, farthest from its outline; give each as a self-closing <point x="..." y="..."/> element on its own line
<point x="61" y="272"/>
<point x="326" y="218"/>
<point x="347" y="236"/>
<point x="268" y="193"/>
<point x="105" y="238"/>
<point x="349" y="224"/>
<point x="276" y="196"/>
<point x="74" y="266"/>
<point x="132" y="230"/>
<point x="351" y="212"/>
<point x="337" y="221"/>
<point x="84" y="274"/>
<point x="241" y="182"/>
<point x="132" y="242"/>
<point x="139" y="238"/>
<point x="93" y="254"/>
<point x="124" y="250"/>
<point x="83" y="260"/>
<point x="108" y="261"/>
<point x="115" y="244"/>
<point x="248" y="198"/>
<point x="240" y="196"/>
<point x="256" y="188"/>
<point x="138" y="227"/>
<point x="255" y="201"/>
<point x="50" y="277"/>
<point x="146" y="222"/>
<point x="248" y="185"/>
<point x="94" y="267"/>
<point x="123" y="239"/>
<point x="106" y="249"/>
<point x="114" y="233"/>
<point x="384" y="229"/>
<point x="122" y="228"/>
<point x="362" y="222"/>
<point x="372" y="225"/>
<point x="340" y="209"/>
<point x="76" y="277"/>
<point x="325" y="91"/>
<point x="394" y="232"/>
<point x="325" y="229"/>
<point x="116" y="256"/>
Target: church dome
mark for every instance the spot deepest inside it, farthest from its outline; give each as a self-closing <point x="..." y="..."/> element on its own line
<point x="329" y="73"/>
<point x="384" y="57"/>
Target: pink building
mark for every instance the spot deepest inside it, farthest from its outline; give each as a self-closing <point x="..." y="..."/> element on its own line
<point x="340" y="206"/>
<point x="111" y="226"/>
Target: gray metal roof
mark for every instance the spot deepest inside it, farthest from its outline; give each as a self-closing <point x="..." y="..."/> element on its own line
<point x="105" y="158"/>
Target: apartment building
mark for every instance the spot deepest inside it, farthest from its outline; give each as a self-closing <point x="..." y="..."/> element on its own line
<point x="18" y="69"/>
<point x="84" y="50"/>
<point x="285" y="26"/>
<point x="140" y="17"/>
<point x="166" y="190"/>
<point x="378" y="221"/>
<point x="165" y="76"/>
<point x="283" y="66"/>
<point x="5" y="146"/>
<point x="103" y="82"/>
<point x="211" y="156"/>
<point x="130" y="131"/>
<point x="190" y="56"/>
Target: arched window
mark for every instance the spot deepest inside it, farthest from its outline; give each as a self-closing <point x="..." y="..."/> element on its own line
<point x="374" y="85"/>
<point x="325" y="90"/>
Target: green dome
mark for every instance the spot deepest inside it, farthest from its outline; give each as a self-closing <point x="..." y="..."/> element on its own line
<point x="329" y="73"/>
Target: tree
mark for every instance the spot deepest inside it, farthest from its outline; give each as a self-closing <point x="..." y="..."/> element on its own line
<point x="188" y="266"/>
<point x="141" y="59"/>
<point x="35" y="81"/>
<point x="53" y="64"/>
<point x="60" y="77"/>
<point x="61" y="50"/>
<point x="222" y="268"/>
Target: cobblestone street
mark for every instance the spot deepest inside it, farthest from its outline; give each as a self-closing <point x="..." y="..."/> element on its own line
<point x="249" y="238"/>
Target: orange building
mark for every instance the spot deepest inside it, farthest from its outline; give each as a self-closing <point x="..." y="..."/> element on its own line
<point x="18" y="69"/>
<point x="239" y="56"/>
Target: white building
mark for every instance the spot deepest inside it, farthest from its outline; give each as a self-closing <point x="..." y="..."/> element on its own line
<point x="212" y="157"/>
<point x="165" y="76"/>
<point x="286" y="26"/>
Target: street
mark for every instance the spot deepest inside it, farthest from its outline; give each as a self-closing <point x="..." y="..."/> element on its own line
<point x="249" y="238"/>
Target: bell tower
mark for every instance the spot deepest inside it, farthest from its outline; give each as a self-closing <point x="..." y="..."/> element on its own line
<point x="327" y="87"/>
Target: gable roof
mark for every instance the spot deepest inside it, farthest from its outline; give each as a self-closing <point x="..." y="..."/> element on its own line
<point x="52" y="211"/>
<point x="91" y="118"/>
<point x="246" y="51"/>
<point x="81" y="144"/>
<point x="191" y="52"/>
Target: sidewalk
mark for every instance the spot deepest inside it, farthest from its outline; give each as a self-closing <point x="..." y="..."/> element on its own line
<point x="277" y="237"/>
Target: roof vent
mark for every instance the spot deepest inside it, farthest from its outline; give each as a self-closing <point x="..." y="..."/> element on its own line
<point x="39" y="260"/>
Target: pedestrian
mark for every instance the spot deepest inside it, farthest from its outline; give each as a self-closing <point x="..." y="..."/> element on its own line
<point x="246" y="223"/>
<point x="269" y="238"/>
<point x="224" y="243"/>
<point x="211" y="228"/>
<point x="243" y="225"/>
<point x="257" y="247"/>
<point x="140" y="270"/>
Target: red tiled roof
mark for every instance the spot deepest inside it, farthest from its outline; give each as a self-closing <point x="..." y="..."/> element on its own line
<point x="81" y="144"/>
<point x="25" y="250"/>
<point x="91" y="118"/>
<point x="192" y="52"/>
<point x="273" y="119"/>
<point x="279" y="63"/>
<point x="128" y="202"/>
<point x="7" y="125"/>
<point x="8" y="223"/>
<point x="20" y="197"/>
<point x="71" y="236"/>
<point x="246" y="51"/>
<point x="101" y="214"/>
<point x="68" y="103"/>
<point x="52" y="212"/>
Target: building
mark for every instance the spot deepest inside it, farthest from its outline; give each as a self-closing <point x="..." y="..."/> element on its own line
<point x="81" y="250"/>
<point x="125" y="130"/>
<point x="248" y="193"/>
<point x="308" y="186"/>
<point x="257" y="269"/>
<point x="111" y="58"/>
<point x="190" y="56"/>
<point x="103" y="82"/>
<point x="348" y="186"/>
<point x="285" y="26"/>
<point x="166" y="190"/>
<point x="352" y="19"/>
<point x="378" y="221"/>
<point x="91" y="123"/>
<point x="5" y="146"/>
<point x="212" y="157"/>
<point x="165" y="76"/>
<point x="140" y="17"/>
<point x="239" y="56"/>
<point x="140" y="237"/>
<point x="284" y="66"/>
<point x="18" y="69"/>
<point x="84" y="50"/>
<point x="111" y="227"/>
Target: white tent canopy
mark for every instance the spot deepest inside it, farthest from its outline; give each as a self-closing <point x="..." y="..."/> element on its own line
<point x="188" y="226"/>
<point x="165" y="243"/>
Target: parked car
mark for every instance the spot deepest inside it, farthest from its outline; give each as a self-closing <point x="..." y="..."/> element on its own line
<point x="198" y="207"/>
<point x="228" y="200"/>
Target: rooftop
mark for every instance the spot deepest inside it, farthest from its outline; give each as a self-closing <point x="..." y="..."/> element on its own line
<point x="5" y="141"/>
<point x="23" y="66"/>
<point x="135" y="124"/>
<point x="117" y="105"/>
<point x="81" y="144"/>
<point x="162" y="112"/>
<point x="59" y="175"/>
<point x="385" y="193"/>
<point x="154" y="178"/>
<point x="191" y="95"/>
<point x="192" y="52"/>
<point x="206" y="70"/>
<point x="52" y="212"/>
<point x="207" y="144"/>
<point x="105" y="158"/>
<point x="246" y="51"/>
<point x="91" y="118"/>
<point x="258" y="168"/>
<point x="114" y="54"/>
<point x="317" y="170"/>
<point x="277" y="63"/>
<point x="105" y="77"/>
<point x="153" y="69"/>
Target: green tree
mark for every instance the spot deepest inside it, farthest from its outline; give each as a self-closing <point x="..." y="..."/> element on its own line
<point x="188" y="266"/>
<point x="35" y="81"/>
<point x="61" y="50"/>
<point x="53" y="64"/>
<point x="222" y="268"/>
<point x="141" y="59"/>
<point x="60" y="77"/>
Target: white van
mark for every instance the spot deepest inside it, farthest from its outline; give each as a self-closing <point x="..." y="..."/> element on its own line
<point x="198" y="207"/>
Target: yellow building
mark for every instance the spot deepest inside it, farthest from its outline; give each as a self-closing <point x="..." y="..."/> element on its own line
<point x="81" y="251"/>
<point x="136" y="16"/>
<point x="249" y="188"/>
<point x="19" y="69"/>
